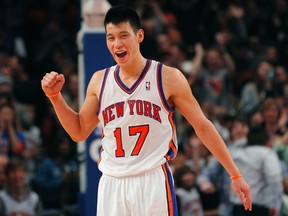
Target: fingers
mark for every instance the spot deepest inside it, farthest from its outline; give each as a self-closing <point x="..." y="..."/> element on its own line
<point x="248" y="199"/>
<point x="242" y="190"/>
<point x="241" y="196"/>
<point x="245" y="197"/>
<point x="60" y="77"/>
<point x="50" y="79"/>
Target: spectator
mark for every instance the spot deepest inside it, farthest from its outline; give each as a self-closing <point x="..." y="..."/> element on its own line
<point x="4" y="99"/>
<point x="152" y="25"/>
<point x="281" y="88"/>
<point x="12" y="139"/>
<point x="213" y="68"/>
<point x="3" y="162"/>
<point x="281" y="148"/>
<point x="6" y="85"/>
<point x="262" y="168"/>
<point x="236" y="21"/>
<point x="11" y="43"/>
<point x="71" y="93"/>
<point x="271" y="112"/>
<point x="33" y="137"/>
<point x="187" y="192"/>
<point x="186" y="15"/>
<point x="198" y="158"/>
<point x="197" y="155"/>
<point x="272" y="56"/>
<point x="22" y="80"/>
<point x="214" y="178"/>
<point x="255" y="91"/>
<point x="17" y="198"/>
<point x="57" y="179"/>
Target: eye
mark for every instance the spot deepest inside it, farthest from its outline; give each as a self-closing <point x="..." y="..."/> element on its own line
<point x="123" y="36"/>
<point x="110" y="38"/>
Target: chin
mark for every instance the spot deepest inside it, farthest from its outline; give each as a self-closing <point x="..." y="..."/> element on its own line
<point x="122" y="62"/>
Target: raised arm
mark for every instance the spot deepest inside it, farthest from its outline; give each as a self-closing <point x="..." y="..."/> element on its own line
<point x="178" y="93"/>
<point x="77" y="125"/>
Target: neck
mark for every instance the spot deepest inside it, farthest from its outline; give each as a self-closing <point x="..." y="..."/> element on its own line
<point x="18" y="193"/>
<point x="134" y="68"/>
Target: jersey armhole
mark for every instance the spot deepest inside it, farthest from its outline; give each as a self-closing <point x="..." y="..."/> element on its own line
<point x="102" y="89"/>
<point x="160" y="89"/>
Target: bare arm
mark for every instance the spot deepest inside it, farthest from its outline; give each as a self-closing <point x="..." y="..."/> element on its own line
<point x="229" y="62"/>
<point x="178" y="92"/>
<point x="16" y="144"/>
<point x="77" y="125"/>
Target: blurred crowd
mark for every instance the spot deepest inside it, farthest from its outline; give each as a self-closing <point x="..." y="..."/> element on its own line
<point x="234" y="55"/>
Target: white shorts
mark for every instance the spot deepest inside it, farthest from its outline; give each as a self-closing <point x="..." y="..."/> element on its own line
<point x="151" y="194"/>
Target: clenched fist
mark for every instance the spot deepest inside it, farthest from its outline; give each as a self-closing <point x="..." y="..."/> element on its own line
<point x="52" y="83"/>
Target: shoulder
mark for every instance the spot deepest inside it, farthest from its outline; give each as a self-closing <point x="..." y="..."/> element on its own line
<point x="4" y="196"/>
<point x="34" y="196"/>
<point x="250" y="86"/>
<point x="2" y="193"/>
<point x="173" y="80"/>
<point x="262" y="152"/>
<point x="96" y="82"/>
<point x="168" y="71"/>
<point x="98" y="76"/>
<point x="172" y="76"/>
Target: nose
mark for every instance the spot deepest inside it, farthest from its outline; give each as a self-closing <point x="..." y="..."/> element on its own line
<point x="118" y="42"/>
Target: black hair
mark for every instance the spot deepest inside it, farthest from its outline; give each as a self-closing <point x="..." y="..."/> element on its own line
<point x="121" y="13"/>
<point x="180" y="172"/>
<point x="258" y="136"/>
<point x="14" y="164"/>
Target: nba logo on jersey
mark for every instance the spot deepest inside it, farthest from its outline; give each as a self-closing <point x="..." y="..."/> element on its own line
<point x="147" y="85"/>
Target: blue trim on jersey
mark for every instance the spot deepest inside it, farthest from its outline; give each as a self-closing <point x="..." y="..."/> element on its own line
<point x="138" y="81"/>
<point x="160" y="88"/>
<point x="102" y="89"/>
<point x="172" y="189"/>
<point x="171" y="152"/>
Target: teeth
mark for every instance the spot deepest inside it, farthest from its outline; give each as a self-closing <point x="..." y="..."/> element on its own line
<point x="122" y="54"/>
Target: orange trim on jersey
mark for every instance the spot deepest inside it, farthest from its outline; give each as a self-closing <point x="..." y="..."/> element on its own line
<point x="171" y="120"/>
<point x="100" y="158"/>
<point x="168" y="192"/>
<point x="172" y="147"/>
<point x="102" y="149"/>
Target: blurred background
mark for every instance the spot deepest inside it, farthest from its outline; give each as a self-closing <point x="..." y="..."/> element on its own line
<point x="233" y="53"/>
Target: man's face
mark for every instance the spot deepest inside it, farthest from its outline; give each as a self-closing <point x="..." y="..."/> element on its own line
<point x="239" y="130"/>
<point x="123" y="42"/>
<point x="213" y="59"/>
<point x="271" y="115"/>
<point x="17" y="176"/>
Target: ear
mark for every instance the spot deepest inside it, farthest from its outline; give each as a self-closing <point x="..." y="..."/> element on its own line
<point x="140" y="35"/>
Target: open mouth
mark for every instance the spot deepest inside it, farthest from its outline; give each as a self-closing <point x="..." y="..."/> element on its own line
<point x="121" y="55"/>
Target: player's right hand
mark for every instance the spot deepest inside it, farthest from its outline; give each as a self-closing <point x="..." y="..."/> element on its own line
<point x="52" y="83"/>
<point x="243" y="191"/>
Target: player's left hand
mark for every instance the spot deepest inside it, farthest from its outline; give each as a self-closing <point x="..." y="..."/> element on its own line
<point x="242" y="189"/>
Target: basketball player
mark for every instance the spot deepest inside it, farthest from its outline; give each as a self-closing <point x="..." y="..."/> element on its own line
<point x="135" y="101"/>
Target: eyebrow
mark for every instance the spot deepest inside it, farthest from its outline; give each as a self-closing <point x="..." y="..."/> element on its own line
<point x="121" y="32"/>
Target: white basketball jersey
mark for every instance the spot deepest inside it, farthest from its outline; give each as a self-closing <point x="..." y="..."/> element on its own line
<point x="138" y="124"/>
<point x="13" y="207"/>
